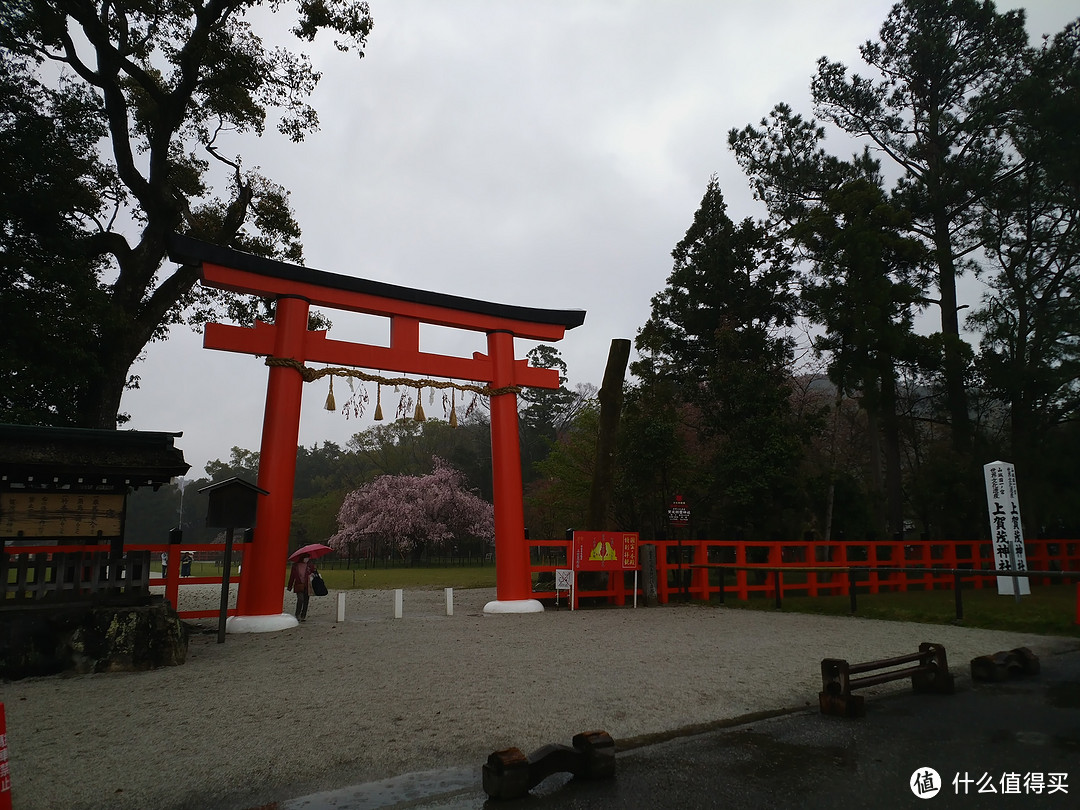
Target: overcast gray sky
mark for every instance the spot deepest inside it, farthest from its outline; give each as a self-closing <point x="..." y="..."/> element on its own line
<point x="547" y="154"/>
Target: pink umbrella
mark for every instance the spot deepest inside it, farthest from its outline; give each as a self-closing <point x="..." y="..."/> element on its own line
<point x="313" y="550"/>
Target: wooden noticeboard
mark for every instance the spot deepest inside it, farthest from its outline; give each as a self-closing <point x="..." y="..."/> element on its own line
<point x="60" y="514"/>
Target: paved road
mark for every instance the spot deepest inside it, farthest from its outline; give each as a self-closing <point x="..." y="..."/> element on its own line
<point x="1019" y="738"/>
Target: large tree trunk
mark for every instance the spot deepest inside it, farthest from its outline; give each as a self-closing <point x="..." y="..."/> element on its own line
<point x="955" y="391"/>
<point x="890" y="434"/>
<point x="128" y="325"/>
<point x="100" y="407"/>
<point x="99" y="403"/>
<point x="876" y="489"/>
<point x="611" y="398"/>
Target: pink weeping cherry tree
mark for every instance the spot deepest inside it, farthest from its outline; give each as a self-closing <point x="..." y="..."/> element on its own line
<point x="412" y="513"/>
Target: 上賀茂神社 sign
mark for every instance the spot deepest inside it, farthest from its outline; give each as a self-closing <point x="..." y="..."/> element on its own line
<point x="1006" y="530"/>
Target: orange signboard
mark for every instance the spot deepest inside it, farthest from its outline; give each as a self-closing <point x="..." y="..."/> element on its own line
<point x="605" y="551"/>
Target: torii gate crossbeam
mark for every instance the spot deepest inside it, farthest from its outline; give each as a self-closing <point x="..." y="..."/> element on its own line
<point x="294" y="290"/>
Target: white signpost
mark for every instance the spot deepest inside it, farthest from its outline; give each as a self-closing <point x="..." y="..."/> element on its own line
<point x="564" y="581"/>
<point x="1006" y="531"/>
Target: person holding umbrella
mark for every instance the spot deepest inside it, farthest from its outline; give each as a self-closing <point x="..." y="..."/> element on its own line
<point x="303" y="569"/>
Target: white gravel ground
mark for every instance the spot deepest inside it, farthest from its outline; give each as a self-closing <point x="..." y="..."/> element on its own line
<point x="273" y="716"/>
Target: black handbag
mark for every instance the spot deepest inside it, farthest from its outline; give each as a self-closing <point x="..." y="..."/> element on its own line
<point x="318" y="587"/>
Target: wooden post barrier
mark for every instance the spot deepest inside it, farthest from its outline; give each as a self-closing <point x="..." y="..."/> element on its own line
<point x="509" y="774"/>
<point x="929" y="674"/>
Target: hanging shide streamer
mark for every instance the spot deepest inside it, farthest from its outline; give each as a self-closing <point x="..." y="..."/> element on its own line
<point x="359" y="397"/>
<point x="404" y="406"/>
<point x="331" y="405"/>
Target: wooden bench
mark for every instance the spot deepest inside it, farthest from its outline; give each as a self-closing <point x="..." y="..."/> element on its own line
<point x="929" y="672"/>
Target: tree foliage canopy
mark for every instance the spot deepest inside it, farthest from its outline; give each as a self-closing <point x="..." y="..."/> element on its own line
<point x="121" y="118"/>
<point x="717" y="339"/>
<point x="936" y="106"/>
<point x="979" y="131"/>
<point x="970" y="140"/>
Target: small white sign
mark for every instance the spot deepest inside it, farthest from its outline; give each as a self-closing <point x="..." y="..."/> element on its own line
<point x="564" y="579"/>
<point x="1006" y="530"/>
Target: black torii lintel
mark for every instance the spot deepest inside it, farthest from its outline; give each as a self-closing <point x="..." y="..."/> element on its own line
<point x="186" y="250"/>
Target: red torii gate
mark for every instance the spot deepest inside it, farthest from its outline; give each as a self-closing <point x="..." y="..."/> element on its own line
<point x="295" y="289"/>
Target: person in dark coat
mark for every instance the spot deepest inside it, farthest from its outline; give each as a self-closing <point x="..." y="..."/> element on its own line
<point x="300" y="584"/>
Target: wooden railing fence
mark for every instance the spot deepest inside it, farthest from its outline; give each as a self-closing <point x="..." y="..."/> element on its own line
<point x="707" y="569"/>
<point x="71" y="576"/>
<point x="689" y="569"/>
<point x="34" y="573"/>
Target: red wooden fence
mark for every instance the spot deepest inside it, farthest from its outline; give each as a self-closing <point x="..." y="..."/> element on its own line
<point x="698" y="569"/>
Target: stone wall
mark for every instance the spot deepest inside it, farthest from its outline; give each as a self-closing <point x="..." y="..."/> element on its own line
<point x="85" y="638"/>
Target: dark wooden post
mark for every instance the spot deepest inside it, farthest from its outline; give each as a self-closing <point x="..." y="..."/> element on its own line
<point x="223" y="611"/>
<point x="647" y="558"/>
<point x="611" y="399"/>
<point x="958" y="596"/>
<point x="232" y="503"/>
<point x="172" y="571"/>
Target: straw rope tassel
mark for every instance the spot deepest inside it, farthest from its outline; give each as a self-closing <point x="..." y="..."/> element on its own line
<point x="419" y="414"/>
<point x="453" y="408"/>
<point x="378" y="403"/>
<point x="331" y="405"/>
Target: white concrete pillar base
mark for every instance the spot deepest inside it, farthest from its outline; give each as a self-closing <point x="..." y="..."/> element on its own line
<point x="260" y="624"/>
<point x="514" y="606"/>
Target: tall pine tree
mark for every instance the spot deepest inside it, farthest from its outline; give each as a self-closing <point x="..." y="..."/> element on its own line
<point x="717" y="338"/>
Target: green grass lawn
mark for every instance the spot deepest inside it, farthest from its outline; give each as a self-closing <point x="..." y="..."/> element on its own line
<point x="198" y="569"/>
<point x="472" y="576"/>
<point x="1049" y="610"/>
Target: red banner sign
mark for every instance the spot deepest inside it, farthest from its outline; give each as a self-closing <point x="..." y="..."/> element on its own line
<point x="5" y="765"/>
<point x="605" y="551"/>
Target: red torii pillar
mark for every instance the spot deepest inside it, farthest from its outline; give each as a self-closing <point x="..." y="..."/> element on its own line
<point x="295" y="290"/>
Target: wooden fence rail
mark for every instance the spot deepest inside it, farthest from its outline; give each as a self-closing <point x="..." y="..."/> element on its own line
<point x="695" y="569"/>
<point x="30" y="573"/>
<point x="73" y="576"/>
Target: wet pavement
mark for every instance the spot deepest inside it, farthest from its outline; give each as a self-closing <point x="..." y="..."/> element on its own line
<point x="1010" y="743"/>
